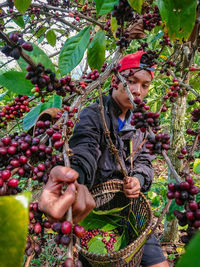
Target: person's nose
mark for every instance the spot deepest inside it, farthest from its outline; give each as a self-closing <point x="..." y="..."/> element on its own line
<point x="136" y="89"/>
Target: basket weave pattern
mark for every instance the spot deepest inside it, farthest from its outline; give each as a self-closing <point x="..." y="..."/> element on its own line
<point x="110" y="195"/>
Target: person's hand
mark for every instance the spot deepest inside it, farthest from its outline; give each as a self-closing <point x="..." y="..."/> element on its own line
<point x="132" y="187"/>
<point x="55" y="204"/>
<point x="84" y="203"/>
<point x="52" y="202"/>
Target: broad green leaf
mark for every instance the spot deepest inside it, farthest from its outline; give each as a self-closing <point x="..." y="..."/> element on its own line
<point x="73" y="50"/>
<point x="16" y="82"/>
<point x="178" y="17"/>
<point x="113" y="26"/>
<point x="109" y="212"/>
<point x="31" y="117"/>
<point x="54" y="102"/>
<point x="191" y="257"/>
<point x="96" y="51"/>
<point x="3" y="95"/>
<point x="14" y="221"/>
<point x="196" y="166"/>
<point x="136" y="5"/>
<point x="37" y="55"/>
<point x="22" y="5"/>
<point x="120" y="242"/>
<point x="105" y="6"/>
<point x="103" y="222"/>
<point x="51" y="37"/>
<point x="97" y="246"/>
<point x="19" y="21"/>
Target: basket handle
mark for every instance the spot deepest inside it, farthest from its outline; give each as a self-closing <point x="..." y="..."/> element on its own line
<point x="164" y="211"/>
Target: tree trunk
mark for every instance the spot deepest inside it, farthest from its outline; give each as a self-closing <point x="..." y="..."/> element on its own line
<point x="177" y="143"/>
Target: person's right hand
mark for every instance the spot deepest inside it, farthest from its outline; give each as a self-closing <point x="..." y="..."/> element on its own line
<point x="55" y="204"/>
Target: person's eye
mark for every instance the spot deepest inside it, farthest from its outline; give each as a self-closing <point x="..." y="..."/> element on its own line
<point x="145" y="86"/>
<point x="131" y="82"/>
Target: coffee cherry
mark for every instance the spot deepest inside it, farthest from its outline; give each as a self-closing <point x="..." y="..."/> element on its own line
<point x="79" y="231"/>
<point x="56" y="227"/>
<point x="37" y="228"/>
<point x="68" y="263"/>
<point x="5" y="175"/>
<point x="66" y="227"/>
<point x="65" y="240"/>
<point x="13" y="182"/>
<point x="56" y="136"/>
<point x="193" y="205"/>
<point x="27" y="46"/>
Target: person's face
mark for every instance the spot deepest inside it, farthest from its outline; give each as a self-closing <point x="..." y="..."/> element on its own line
<point x="139" y="84"/>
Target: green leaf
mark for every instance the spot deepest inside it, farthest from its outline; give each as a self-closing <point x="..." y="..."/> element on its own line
<point x="51" y="37"/>
<point x="22" y="5"/>
<point x="120" y="242"/>
<point x="54" y="102"/>
<point x="96" y="245"/>
<point x="96" y="51"/>
<point x="19" y="21"/>
<point x="31" y="117"/>
<point x="103" y="222"/>
<point x="105" y="6"/>
<point x="109" y="212"/>
<point x="114" y="26"/>
<point x="132" y="222"/>
<point x="178" y="17"/>
<point x="14" y="221"/>
<point x="73" y="50"/>
<point x="16" y="82"/>
<point x="191" y="256"/>
<point x="136" y="5"/>
<point x="37" y="55"/>
<point x="196" y="166"/>
<point x="41" y="32"/>
<point x="3" y="95"/>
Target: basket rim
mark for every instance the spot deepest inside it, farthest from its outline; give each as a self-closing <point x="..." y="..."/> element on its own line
<point x="128" y="250"/>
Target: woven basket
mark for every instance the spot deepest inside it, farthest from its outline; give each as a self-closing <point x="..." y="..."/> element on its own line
<point x="110" y="195"/>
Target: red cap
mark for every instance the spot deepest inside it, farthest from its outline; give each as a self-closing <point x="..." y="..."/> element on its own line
<point x="133" y="61"/>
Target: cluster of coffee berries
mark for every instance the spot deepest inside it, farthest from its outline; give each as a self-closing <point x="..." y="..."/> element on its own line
<point x="183" y="153"/>
<point x="42" y="78"/>
<point x="83" y="84"/>
<point x="142" y="119"/>
<point x="64" y="230"/>
<point x="123" y="38"/>
<point x="150" y="20"/>
<point x="20" y="155"/>
<point x="183" y="192"/>
<point x="108" y="24"/>
<point x="190" y="232"/>
<point x="18" y="42"/>
<point x="108" y="238"/>
<point x="157" y="143"/>
<point x="93" y="75"/>
<point x="192" y="102"/>
<point x="123" y="12"/>
<point x="14" y="109"/>
<point x="104" y="66"/>
<point x="174" y="91"/>
<point x="33" y="245"/>
<point x="195" y="114"/>
<point x="166" y="41"/>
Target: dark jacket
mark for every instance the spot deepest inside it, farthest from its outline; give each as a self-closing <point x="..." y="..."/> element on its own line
<point x="93" y="158"/>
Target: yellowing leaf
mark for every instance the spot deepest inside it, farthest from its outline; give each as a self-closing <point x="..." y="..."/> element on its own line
<point x="180" y="250"/>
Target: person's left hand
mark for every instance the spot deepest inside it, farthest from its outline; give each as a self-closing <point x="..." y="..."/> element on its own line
<point x="132" y="187"/>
